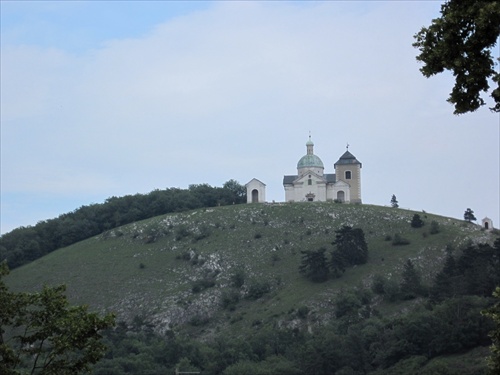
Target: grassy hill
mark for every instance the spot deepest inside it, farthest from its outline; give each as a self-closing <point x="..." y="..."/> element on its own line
<point x="178" y="268"/>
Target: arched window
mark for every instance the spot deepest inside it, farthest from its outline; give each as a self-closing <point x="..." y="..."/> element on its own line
<point x="347" y="175"/>
<point x="309" y="182"/>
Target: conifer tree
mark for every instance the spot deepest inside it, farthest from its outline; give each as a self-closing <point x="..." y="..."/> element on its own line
<point x="416" y="221"/>
<point x="314" y="265"/>
<point x="410" y="285"/>
<point x="469" y="215"/>
<point x="394" y="202"/>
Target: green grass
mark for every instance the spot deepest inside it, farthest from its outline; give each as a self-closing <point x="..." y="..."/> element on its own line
<point x="142" y="269"/>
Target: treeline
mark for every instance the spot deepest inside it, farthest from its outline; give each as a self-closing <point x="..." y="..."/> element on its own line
<point x="25" y="244"/>
<point x="474" y="271"/>
<point x="357" y="340"/>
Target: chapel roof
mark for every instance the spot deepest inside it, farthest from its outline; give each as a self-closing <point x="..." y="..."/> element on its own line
<point x="347" y="158"/>
<point x="307" y="161"/>
<point x="310" y="160"/>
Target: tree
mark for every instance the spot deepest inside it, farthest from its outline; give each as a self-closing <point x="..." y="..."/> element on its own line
<point x="42" y="333"/>
<point x="394" y="202"/>
<point x="494" y="313"/>
<point x="314" y="265"/>
<point x="416" y="221"/>
<point x="350" y="243"/>
<point x="461" y="41"/>
<point x="238" y="192"/>
<point x="411" y="283"/>
<point x="469" y="215"/>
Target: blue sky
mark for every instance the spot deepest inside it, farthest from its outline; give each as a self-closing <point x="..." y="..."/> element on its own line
<point x="107" y="98"/>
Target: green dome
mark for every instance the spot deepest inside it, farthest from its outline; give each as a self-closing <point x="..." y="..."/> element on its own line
<point x="309" y="161"/>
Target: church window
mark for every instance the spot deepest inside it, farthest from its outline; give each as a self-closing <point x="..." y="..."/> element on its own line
<point x="347" y="175"/>
<point x="309" y="182"/>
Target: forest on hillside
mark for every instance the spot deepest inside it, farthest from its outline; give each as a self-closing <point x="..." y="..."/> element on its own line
<point x="25" y="244"/>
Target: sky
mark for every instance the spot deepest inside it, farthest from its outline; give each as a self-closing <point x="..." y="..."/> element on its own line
<point x="109" y="98"/>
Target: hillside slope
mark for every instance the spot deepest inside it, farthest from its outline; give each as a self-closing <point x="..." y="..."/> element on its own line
<point x="178" y="268"/>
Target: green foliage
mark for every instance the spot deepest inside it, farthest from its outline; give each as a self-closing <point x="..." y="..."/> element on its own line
<point x="493" y="313"/>
<point x="257" y="289"/>
<point x="378" y="284"/>
<point x="302" y="312"/>
<point x="181" y="232"/>
<point x="238" y="277"/>
<point x="398" y="240"/>
<point x="411" y="284"/>
<point x="416" y="221"/>
<point x="42" y="333"/>
<point x="394" y="202"/>
<point x="461" y="41"/>
<point x="434" y="227"/>
<point x="314" y="265"/>
<point x="202" y="284"/>
<point x="351" y="245"/>
<point x="25" y="244"/>
<point x="230" y="299"/>
<point x="469" y="215"/>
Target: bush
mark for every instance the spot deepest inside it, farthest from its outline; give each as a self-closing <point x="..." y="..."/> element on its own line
<point x="399" y="241"/>
<point x="378" y="284"/>
<point x="258" y="289"/>
<point x="238" y="278"/>
<point x="181" y="232"/>
<point x="434" y="227"/>
<point x="201" y="285"/>
<point x="230" y="299"/>
<point x="416" y="221"/>
<point x="302" y="312"/>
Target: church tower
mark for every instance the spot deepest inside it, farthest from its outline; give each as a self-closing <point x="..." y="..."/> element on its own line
<point x="348" y="169"/>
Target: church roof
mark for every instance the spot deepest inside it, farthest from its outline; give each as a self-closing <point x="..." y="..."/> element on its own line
<point x="347" y="158"/>
<point x="329" y="177"/>
<point x="310" y="161"/>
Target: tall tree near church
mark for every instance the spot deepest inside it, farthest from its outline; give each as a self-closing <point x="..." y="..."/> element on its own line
<point x="461" y="41"/>
<point x="469" y="215"/>
<point x="394" y="202"/>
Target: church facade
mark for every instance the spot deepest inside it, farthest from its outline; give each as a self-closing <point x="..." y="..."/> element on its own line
<point x="312" y="184"/>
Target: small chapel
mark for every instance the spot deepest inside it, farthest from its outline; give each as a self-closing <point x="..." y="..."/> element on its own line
<point x="312" y="184"/>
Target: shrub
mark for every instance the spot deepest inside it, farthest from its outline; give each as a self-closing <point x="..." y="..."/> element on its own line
<point x="302" y="312"/>
<point x="378" y="284"/>
<point x="416" y="221"/>
<point x="399" y="241"/>
<point x="434" y="227"/>
<point x="258" y="289"/>
<point x="238" y="277"/>
<point x="230" y="299"/>
<point x="201" y="285"/>
<point x="181" y="232"/>
<point x="257" y="235"/>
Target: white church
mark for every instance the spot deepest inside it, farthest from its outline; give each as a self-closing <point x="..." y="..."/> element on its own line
<point x="312" y="184"/>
